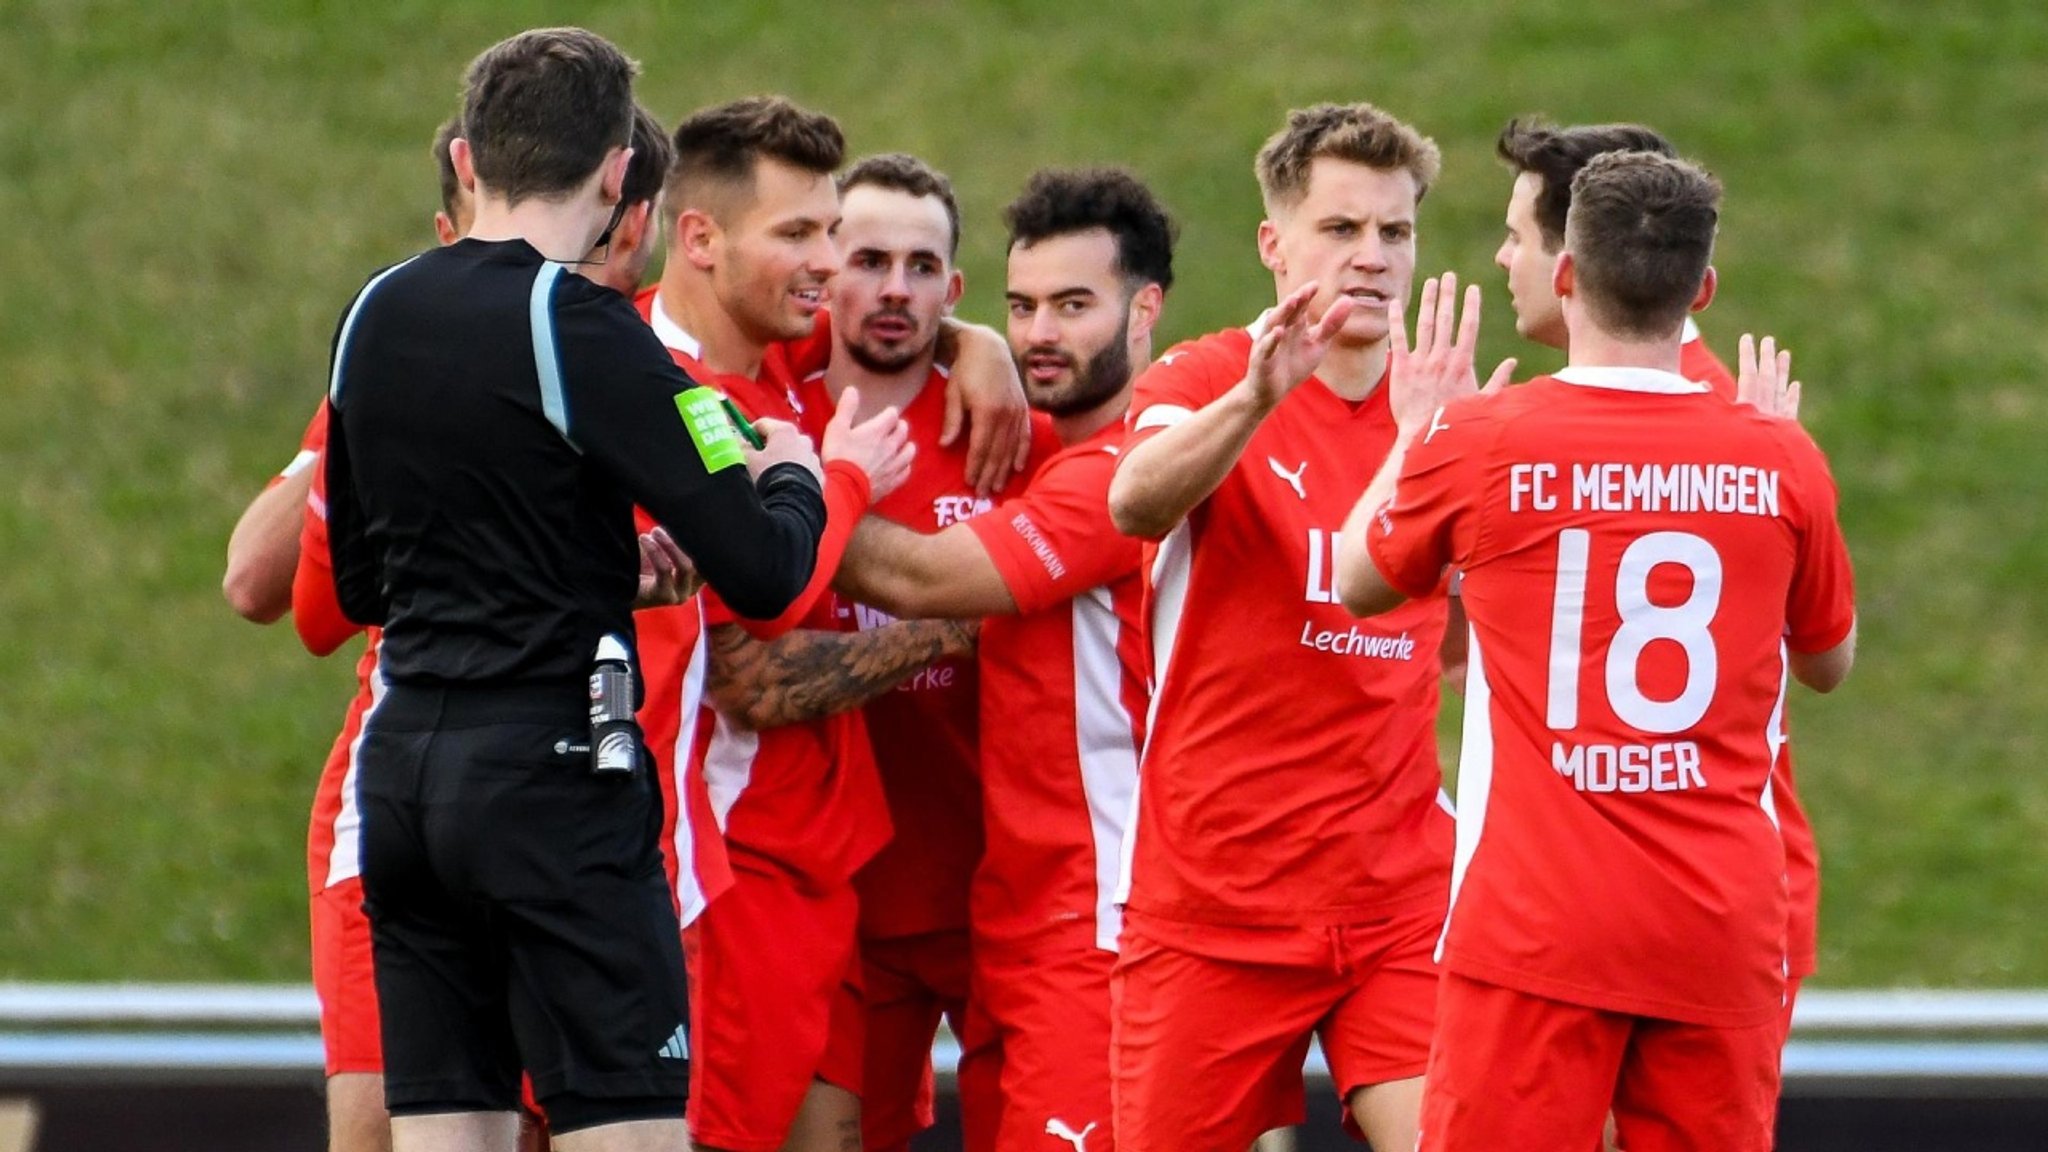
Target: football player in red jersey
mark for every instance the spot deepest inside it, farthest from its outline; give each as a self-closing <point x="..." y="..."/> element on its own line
<point x="1062" y="697"/>
<point x="1545" y="159"/>
<point x="1291" y="856"/>
<point x="899" y="232"/>
<point x="781" y="747"/>
<point x="1638" y="603"/>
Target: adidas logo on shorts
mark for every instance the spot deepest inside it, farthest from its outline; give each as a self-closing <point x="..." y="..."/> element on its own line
<point x="678" y="1046"/>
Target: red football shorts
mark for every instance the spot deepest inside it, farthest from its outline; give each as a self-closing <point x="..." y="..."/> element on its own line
<point x="344" y="980"/>
<point x="1038" y="1028"/>
<point x="1211" y="1024"/>
<point x="775" y="1003"/>
<point x="909" y="983"/>
<point x="1511" y="1070"/>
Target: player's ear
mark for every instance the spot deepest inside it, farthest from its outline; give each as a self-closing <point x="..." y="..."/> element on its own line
<point x="613" y="181"/>
<point x="955" y="285"/>
<point x="632" y="232"/>
<point x="1561" y="275"/>
<point x="1269" y="247"/>
<point x="1146" y="304"/>
<point x="1706" y="295"/>
<point x="463" y="161"/>
<point x="697" y="238"/>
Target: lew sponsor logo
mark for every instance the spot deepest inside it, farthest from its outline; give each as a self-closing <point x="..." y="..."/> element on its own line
<point x="1322" y="564"/>
<point x="1354" y="641"/>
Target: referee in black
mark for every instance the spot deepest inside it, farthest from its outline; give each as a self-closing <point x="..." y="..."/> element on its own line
<point x="493" y="419"/>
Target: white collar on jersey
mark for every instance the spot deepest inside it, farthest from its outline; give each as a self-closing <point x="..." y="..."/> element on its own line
<point x="1691" y="333"/>
<point x="1629" y="380"/>
<point x="671" y="333"/>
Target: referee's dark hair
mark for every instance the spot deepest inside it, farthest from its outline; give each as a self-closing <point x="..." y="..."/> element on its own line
<point x="1062" y="201"/>
<point x="541" y="109"/>
<point x="1555" y="156"/>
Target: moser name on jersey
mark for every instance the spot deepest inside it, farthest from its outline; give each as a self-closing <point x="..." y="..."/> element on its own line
<point x="1740" y="489"/>
<point x="1631" y="768"/>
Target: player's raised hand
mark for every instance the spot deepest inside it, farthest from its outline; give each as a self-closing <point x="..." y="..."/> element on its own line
<point x="1763" y="377"/>
<point x="666" y="575"/>
<point x="1438" y="368"/>
<point x="879" y="446"/>
<point x="1292" y="345"/>
<point x="781" y="443"/>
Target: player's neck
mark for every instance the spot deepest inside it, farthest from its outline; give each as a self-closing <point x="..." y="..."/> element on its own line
<point x="559" y="231"/>
<point x="878" y="390"/>
<point x="1592" y="348"/>
<point x="1353" y="371"/>
<point x="692" y="304"/>
<point x="1074" y="427"/>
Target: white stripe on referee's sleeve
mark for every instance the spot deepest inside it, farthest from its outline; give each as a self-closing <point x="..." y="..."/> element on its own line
<point x="348" y="325"/>
<point x="1160" y="416"/>
<point x="547" y="360"/>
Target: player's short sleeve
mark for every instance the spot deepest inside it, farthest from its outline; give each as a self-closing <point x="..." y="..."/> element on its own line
<point x="311" y="441"/>
<point x="1820" y="607"/>
<point x="316" y="606"/>
<point x="1411" y="539"/>
<point x="1176" y="386"/>
<point x="1056" y="541"/>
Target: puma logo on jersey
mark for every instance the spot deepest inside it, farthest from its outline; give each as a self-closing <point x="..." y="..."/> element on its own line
<point x="1170" y="357"/>
<point x="1293" y="478"/>
<point x="1058" y="1127"/>
<point x="956" y="509"/>
<point x="1436" y="425"/>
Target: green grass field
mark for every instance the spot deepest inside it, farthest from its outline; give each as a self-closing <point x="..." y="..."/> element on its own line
<point x="191" y="191"/>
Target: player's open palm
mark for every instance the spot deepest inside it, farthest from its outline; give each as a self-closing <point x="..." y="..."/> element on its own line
<point x="879" y="446"/>
<point x="1763" y="377"/>
<point x="1293" y="344"/>
<point x="1438" y="367"/>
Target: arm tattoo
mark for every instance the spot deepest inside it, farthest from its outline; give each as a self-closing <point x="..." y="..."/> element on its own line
<point x="811" y="673"/>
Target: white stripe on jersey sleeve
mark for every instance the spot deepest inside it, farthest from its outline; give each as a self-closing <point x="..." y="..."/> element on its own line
<point x="1108" y="752"/>
<point x="306" y="456"/>
<point x="1160" y="416"/>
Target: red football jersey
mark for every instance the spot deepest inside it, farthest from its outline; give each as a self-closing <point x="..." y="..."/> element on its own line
<point x="1696" y="361"/>
<point x="333" y="838"/>
<point x="1290" y="770"/>
<point x="926" y="734"/>
<point x="1063" y="699"/>
<point x="803" y="799"/>
<point x="1632" y="591"/>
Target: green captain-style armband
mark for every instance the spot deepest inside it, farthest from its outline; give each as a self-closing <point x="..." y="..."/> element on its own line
<point x="715" y="427"/>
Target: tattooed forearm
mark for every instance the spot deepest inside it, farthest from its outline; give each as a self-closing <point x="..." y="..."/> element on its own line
<point x="808" y="674"/>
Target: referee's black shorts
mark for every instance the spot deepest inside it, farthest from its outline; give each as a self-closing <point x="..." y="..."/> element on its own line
<point x="519" y="914"/>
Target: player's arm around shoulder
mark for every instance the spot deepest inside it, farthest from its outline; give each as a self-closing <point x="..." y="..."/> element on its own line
<point x="946" y="574"/>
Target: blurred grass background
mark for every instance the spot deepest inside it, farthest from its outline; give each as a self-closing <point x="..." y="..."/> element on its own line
<point x="192" y="191"/>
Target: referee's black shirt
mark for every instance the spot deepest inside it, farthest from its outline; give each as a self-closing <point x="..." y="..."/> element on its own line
<point x="494" y="417"/>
